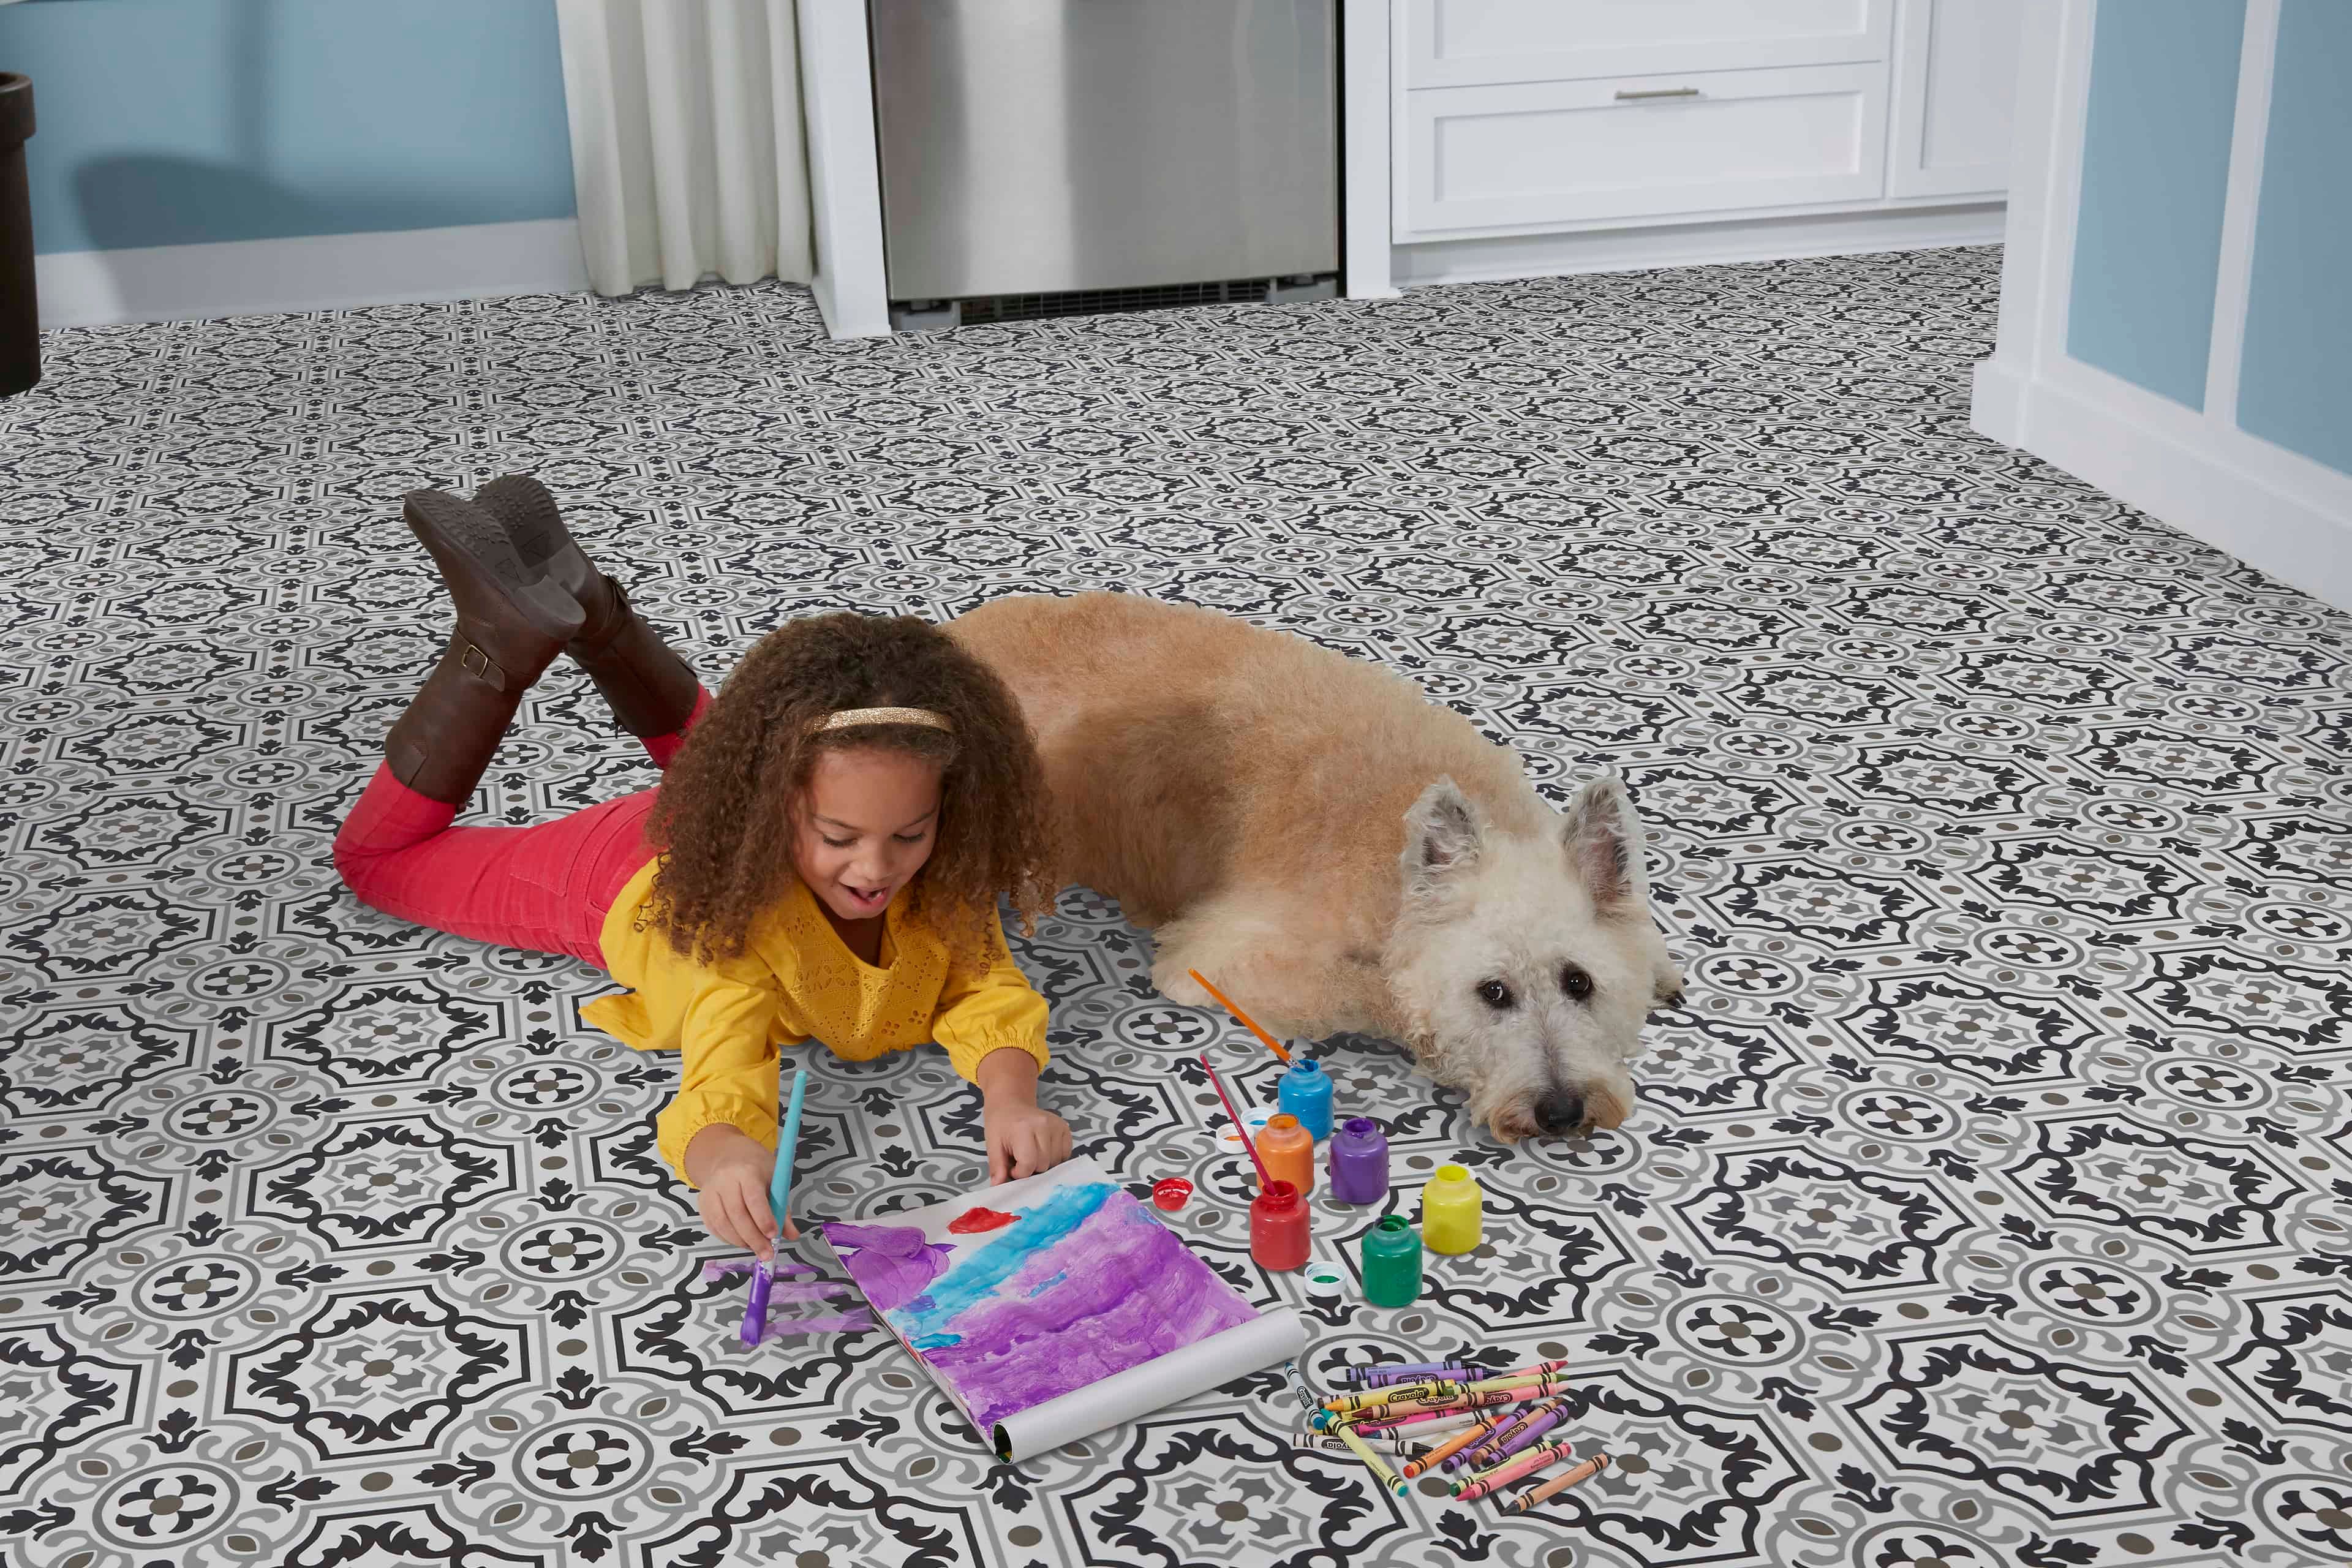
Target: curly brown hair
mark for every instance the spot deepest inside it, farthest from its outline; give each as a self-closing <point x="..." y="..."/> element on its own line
<point x="732" y="798"/>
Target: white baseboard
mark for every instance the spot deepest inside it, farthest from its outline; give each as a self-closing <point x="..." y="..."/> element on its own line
<point x="2274" y="510"/>
<point x="320" y="272"/>
<point x="1480" y="261"/>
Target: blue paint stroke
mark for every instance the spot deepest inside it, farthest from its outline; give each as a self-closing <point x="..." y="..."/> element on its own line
<point x="975" y="1276"/>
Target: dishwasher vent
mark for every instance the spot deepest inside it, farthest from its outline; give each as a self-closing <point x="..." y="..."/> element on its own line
<point x="933" y="315"/>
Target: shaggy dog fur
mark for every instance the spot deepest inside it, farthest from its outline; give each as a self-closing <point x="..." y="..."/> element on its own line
<point x="1337" y="853"/>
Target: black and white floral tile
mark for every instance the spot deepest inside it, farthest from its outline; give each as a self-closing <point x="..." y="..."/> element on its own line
<point x="1986" y="1206"/>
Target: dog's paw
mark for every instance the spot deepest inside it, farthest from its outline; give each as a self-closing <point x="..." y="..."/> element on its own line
<point x="1174" y="982"/>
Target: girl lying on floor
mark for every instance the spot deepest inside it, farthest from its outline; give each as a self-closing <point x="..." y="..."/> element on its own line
<point x="821" y="862"/>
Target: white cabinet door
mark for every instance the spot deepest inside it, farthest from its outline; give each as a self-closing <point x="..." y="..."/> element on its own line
<point x="1463" y="42"/>
<point x="1955" y="82"/>
<point x="1533" y="154"/>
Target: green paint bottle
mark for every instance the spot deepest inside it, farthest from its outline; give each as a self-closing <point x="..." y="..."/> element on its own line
<point x="1391" y="1264"/>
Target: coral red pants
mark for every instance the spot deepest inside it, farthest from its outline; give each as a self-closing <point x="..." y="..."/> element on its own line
<point x="547" y="886"/>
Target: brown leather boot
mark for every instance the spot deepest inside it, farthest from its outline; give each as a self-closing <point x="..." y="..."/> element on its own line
<point x="651" y="691"/>
<point x="511" y="623"/>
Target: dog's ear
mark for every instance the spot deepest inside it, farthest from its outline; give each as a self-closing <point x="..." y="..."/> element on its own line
<point x="1442" y="834"/>
<point x="1603" y="837"/>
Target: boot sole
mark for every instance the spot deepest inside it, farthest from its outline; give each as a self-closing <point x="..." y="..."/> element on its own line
<point x="533" y="522"/>
<point x="454" y="531"/>
<point x="534" y="525"/>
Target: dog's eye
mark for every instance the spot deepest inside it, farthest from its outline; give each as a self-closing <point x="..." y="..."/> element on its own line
<point x="1576" y="983"/>
<point x="1495" y="994"/>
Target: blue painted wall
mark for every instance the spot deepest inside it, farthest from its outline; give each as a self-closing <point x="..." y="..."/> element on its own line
<point x="2295" y="379"/>
<point x="180" y="121"/>
<point x="2155" y="170"/>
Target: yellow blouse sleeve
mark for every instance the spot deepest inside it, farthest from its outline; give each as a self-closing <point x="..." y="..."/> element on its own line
<point x="730" y="1034"/>
<point x="987" y="1006"/>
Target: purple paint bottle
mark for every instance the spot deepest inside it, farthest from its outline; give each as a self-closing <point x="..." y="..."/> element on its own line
<point x="1360" y="1162"/>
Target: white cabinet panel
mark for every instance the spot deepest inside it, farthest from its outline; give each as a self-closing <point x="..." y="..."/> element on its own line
<point x="1955" y="81"/>
<point x="1527" y="156"/>
<point x="1461" y="43"/>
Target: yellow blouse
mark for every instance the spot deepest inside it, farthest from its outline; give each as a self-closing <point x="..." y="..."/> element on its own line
<point x="798" y="981"/>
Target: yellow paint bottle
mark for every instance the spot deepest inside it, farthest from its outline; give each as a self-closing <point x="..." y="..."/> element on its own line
<point x="1450" y="1204"/>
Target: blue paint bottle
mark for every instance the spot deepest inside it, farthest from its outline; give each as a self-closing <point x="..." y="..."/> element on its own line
<point x="1305" y="1093"/>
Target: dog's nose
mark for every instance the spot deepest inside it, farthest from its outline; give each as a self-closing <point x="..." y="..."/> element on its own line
<point x="1561" y="1111"/>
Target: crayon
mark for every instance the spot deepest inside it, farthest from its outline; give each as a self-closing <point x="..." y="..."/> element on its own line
<point x="1430" y="1424"/>
<point x="1384" y="1369"/>
<point x="1433" y="1390"/>
<point x="1350" y="1404"/>
<point x="1382" y="1377"/>
<point x="1382" y="1470"/>
<point x="1331" y="1442"/>
<point x="1532" y="1368"/>
<point x="1495" y="1446"/>
<point x="1542" y="1457"/>
<point x="1552" y="1413"/>
<point x="1558" y="1484"/>
<point x="1489" y="1449"/>
<point x="1413" y="1388"/>
<point x="1308" y="1400"/>
<point x="1453" y="1445"/>
<point x="1556" y="1447"/>
<point x="1512" y="1380"/>
<point x="1323" y="1419"/>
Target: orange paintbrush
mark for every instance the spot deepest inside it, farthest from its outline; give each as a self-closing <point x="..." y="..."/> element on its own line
<point x="1247" y="1022"/>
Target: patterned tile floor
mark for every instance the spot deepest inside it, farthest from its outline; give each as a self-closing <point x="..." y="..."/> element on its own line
<point x="1988" y="1206"/>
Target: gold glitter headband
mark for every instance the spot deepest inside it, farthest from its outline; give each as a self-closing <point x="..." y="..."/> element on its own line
<point x="858" y="718"/>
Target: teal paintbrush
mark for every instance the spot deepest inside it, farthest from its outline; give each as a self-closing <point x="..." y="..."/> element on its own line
<point x="780" y="1187"/>
<point x="780" y="1190"/>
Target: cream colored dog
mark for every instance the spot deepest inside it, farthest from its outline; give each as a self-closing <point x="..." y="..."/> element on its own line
<point x="1338" y="853"/>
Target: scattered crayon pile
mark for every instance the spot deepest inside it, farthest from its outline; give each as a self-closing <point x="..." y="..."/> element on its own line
<point x="1493" y="1429"/>
<point x="1489" y="1429"/>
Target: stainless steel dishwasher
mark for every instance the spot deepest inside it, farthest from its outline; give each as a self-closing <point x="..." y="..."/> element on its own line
<point x="1059" y="157"/>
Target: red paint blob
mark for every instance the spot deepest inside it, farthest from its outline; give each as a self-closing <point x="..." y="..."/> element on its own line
<point x="971" y="1222"/>
<point x="1169" y="1193"/>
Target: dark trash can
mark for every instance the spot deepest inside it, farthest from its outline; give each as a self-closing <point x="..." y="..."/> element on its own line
<point x="20" y="315"/>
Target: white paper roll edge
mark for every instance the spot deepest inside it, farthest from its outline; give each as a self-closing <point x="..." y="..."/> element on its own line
<point x="1274" y="1336"/>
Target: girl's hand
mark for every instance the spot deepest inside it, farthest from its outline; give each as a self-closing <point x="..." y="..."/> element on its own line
<point x="730" y="1170"/>
<point x="1023" y="1140"/>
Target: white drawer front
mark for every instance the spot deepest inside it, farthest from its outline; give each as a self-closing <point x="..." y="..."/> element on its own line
<point x="1460" y="43"/>
<point x="1527" y="155"/>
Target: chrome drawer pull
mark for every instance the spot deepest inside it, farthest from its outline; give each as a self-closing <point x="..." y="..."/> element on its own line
<point x="1661" y="92"/>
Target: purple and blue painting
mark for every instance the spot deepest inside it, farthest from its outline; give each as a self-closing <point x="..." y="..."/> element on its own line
<point x="1037" y="1299"/>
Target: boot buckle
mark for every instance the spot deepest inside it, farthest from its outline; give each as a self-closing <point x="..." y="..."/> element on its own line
<point x="480" y="665"/>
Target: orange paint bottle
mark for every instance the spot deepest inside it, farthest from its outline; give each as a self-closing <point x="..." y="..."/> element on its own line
<point x="1288" y="1150"/>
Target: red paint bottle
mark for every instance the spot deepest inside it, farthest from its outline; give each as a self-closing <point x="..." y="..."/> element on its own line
<point x="1278" y="1228"/>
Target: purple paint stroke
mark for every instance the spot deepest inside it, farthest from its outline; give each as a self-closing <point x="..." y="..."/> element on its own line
<point x="854" y="1322"/>
<point x="1117" y="1290"/>
<point x="816" y="1290"/>
<point x="716" y="1271"/>
<point x="891" y="1263"/>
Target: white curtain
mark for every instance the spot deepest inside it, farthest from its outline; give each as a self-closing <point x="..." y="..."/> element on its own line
<point x="687" y="151"/>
